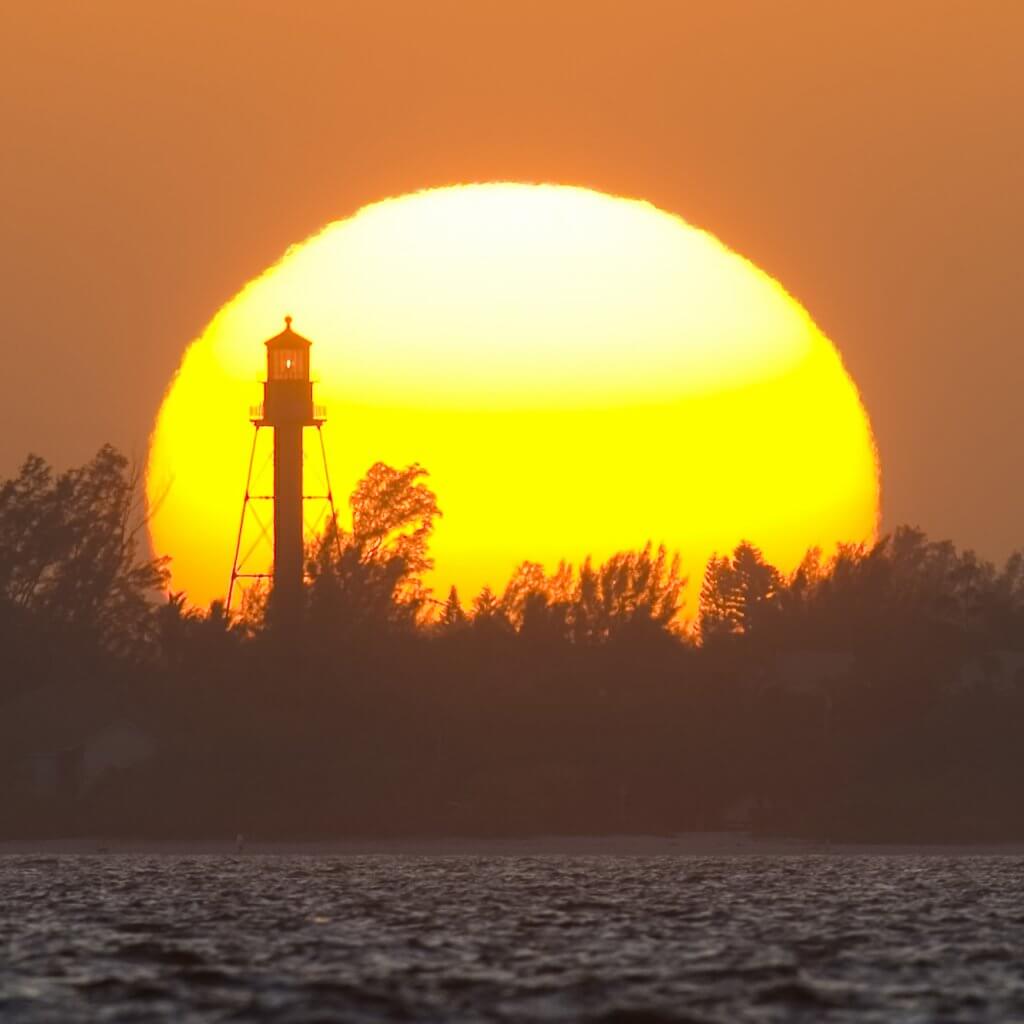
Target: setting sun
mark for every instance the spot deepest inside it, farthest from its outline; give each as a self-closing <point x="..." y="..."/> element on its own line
<point x="579" y="373"/>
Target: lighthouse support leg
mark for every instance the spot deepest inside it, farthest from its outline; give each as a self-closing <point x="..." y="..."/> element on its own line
<point x="235" y="567"/>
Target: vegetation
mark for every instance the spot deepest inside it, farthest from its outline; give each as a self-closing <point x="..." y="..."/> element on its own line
<point x="874" y="695"/>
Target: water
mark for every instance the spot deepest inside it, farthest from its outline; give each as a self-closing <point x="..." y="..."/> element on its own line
<point x="306" y="939"/>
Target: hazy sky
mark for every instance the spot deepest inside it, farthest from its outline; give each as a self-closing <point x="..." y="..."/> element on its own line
<point x="153" y="157"/>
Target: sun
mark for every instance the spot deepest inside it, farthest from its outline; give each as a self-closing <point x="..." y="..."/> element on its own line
<point x="579" y="373"/>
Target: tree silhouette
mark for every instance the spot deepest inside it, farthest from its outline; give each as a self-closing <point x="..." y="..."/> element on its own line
<point x="832" y="700"/>
<point x="452" y="615"/>
<point x="189" y="638"/>
<point x="716" y="604"/>
<point x="528" y="580"/>
<point x="487" y="607"/>
<point x="738" y="594"/>
<point x="374" y="574"/>
<point x="633" y="590"/>
<point x="69" y="550"/>
<point x="756" y="587"/>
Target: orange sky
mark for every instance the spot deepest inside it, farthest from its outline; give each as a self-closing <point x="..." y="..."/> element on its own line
<point x="869" y="156"/>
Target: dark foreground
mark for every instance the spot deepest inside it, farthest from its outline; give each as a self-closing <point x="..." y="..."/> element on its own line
<point x="463" y="938"/>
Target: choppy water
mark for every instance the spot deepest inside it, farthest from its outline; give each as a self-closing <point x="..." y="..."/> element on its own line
<point x="309" y="939"/>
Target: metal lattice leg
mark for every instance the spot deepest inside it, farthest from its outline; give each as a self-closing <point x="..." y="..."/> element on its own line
<point x="241" y="522"/>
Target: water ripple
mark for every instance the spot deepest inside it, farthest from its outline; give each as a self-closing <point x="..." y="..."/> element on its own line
<point x="616" y="940"/>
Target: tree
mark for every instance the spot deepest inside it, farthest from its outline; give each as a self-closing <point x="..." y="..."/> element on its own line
<point x="633" y="590"/>
<point x="69" y="550"/>
<point x="716" y="612"/>
<point x="190" y="639"/>
<point x="375" y="572"/>
<point x="528" y="580"/>
<point x="738" y="594"/>
<point x="452" y="615"/>
<point x="756" y="587"/>
<point x="487" y="607"/>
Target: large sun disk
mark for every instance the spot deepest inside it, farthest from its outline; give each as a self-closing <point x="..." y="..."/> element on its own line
<point x="579" y="373"/>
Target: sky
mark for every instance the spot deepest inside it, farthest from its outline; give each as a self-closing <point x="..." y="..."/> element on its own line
<point x="868" y="155"/>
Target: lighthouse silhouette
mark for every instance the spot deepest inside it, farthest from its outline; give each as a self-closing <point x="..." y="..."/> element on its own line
<point x="287" y="410"/>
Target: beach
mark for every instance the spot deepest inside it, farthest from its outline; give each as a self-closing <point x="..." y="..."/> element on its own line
<point x="684" y="844"/>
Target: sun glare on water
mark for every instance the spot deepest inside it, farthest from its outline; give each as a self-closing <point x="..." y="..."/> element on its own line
<point x="579" y="374"/>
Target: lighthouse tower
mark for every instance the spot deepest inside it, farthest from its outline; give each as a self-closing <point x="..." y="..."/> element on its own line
<point x="287" y="410"/>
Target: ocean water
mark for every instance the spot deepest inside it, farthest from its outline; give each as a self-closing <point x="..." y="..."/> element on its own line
<point x="615" y="939"/>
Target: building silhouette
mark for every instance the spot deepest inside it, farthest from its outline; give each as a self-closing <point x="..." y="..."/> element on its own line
<point x="287" y="410"/>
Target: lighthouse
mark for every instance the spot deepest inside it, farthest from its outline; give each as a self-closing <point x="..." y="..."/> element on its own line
<point x="287" y="410"/>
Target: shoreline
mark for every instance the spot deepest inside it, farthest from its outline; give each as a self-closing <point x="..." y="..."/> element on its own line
<point x="686" y="844"/>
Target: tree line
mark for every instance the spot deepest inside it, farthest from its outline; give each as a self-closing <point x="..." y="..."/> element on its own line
<point x="874" y="693"/>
